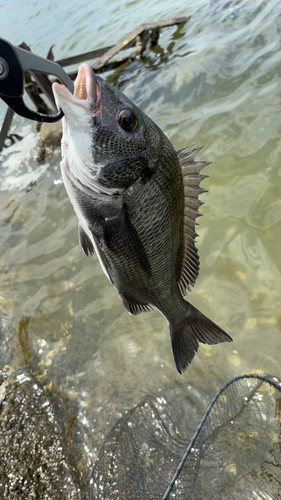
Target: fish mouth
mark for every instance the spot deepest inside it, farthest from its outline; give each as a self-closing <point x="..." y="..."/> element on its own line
<point x="80" y="109"/>
<point x="86" y="93"/>
<point x="87" y="88"/>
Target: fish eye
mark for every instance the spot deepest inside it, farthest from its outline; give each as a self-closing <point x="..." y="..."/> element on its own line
<point x="128" y="120"/>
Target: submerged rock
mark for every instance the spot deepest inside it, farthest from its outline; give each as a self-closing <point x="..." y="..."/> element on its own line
<point x="7" y="335"/>
<point x="33" y="461"/>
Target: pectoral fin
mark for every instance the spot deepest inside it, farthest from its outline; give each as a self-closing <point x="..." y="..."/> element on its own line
<point x="103" y="261"/>
<point x="119" y="229"/>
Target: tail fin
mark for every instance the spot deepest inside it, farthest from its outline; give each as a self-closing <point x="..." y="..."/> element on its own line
<point x="193" y="328"/>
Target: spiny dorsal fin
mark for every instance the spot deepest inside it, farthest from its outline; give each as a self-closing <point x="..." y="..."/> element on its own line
<point x="191" y="180"/>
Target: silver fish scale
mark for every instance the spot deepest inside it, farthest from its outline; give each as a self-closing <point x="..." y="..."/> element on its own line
<point x="149" y="212"/>
<point x="156" y="211"/>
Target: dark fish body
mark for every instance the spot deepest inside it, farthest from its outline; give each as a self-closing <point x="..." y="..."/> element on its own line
<point x="136" y="199"/>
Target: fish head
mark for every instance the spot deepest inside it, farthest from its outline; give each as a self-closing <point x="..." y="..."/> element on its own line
<point x="107" y="140"/>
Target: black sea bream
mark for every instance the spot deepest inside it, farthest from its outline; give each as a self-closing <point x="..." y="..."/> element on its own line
<point x="136" y="199"/>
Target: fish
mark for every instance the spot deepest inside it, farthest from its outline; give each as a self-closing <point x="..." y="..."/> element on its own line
<point x="137" y="201"/>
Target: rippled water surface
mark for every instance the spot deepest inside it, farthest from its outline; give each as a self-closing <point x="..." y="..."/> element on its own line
<point x="214" y="81"/>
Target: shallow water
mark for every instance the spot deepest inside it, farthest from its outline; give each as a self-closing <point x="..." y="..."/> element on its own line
<point x="214" y="81"/>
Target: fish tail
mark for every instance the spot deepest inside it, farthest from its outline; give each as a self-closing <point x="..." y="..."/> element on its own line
<point x="187" y="332"/>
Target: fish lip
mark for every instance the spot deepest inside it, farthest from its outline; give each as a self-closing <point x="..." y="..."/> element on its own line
<point x="86" y="92"/>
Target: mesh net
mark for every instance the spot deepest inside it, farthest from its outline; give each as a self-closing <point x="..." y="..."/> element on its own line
<point x="234" y="453"/>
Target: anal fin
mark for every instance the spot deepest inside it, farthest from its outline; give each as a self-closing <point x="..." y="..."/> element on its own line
<point x="134" y="308"/>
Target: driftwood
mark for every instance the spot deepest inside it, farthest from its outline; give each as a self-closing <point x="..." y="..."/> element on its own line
<point x="145" y="35"/>
<point x="139" y="38"/>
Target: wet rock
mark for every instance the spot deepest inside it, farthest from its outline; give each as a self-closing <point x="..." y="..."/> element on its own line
<point x="50" y="139"/>
<point x="33" y="459"/>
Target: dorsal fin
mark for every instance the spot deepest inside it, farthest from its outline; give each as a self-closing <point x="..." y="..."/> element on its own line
<point x="191" y="180"/>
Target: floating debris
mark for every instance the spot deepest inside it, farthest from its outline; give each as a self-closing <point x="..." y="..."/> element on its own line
<point x="36" y="84"/>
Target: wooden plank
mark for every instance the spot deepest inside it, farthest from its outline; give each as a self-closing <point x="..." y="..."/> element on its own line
<point x="93" y="54"/>
<point x="140" y="34"/>
<point x="138" y="37"/>
<point x="129" y="39"/>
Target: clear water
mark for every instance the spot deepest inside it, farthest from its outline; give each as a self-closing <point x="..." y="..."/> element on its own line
<point x="214" y="81"/>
